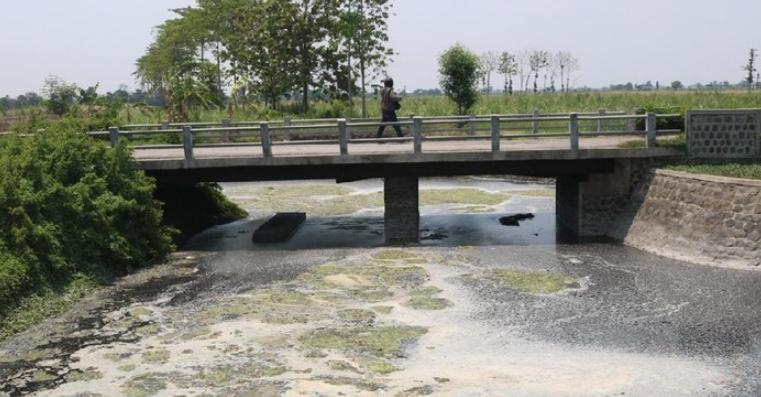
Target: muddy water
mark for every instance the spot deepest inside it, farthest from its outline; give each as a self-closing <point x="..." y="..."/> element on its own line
<point x="478" y="309"/>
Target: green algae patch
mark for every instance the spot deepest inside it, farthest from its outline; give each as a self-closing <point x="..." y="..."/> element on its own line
<point x="340" y="365"/>
<point x="533" y="282"/>
<point x="319" y="200"/>
<point x="147" y="330"/>
<point x="381" y="367"/>
<point x="84" y="376"/>
<point x="145" y="385"/>
<point x="382" y="342"/>
<point x="466" y="196"/>
<point x="357" y="316"/>
<point x="127" y="367"/>
<point x="425" y="299"/>
<point x="40" y="376"/>
<point x="269" y="305"/>
<point x="383" y="309"/>
<point x="346" y="381"/>
<point x="426" y="390"/>
<point x="140" y="312"/>
<point x="394" y="255"/>
<point x="118" y="357"/>
<point x="228" y="375"/>
<point x="547" y="193"/>
<point x="157" y="357"/>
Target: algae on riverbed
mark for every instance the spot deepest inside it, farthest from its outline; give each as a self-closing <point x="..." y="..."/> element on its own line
<point x="532" y="282"/>
<point x="381" y="342"/>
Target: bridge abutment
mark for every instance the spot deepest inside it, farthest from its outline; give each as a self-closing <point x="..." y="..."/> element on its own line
<point x="588" y="206"/>
<point x="402" y="210"/>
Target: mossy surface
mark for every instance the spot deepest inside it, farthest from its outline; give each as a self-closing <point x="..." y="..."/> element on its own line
<point x="347" y="381"/>
<point x="144" y="385"/>
<point x="547" y="193"/>
<point x="425" y="299"/>
<point x="357" y="316"/>
<point x="385" y="342"/>
<point x="228" y="375"/>
<point x="461" y="196"/>
<point x="157" y="357"/>
<point x="83" y="376"/>
<point x="341" y="365"/>
<point x="381" y="367"/>
<point x="533" y="282"/>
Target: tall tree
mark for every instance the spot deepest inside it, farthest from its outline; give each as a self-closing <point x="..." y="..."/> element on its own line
<point x="458" y="69"/>
<point x="750" y="67"/>
<point x="489" y="63"/>
<point x="508" y="67"/>
<point x="365" y="38"/>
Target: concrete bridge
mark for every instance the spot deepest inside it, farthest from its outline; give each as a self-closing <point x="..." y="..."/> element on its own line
<point x="582" y="152"/>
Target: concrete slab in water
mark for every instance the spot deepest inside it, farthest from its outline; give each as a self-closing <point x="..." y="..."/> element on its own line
<point x="279" y="228"/>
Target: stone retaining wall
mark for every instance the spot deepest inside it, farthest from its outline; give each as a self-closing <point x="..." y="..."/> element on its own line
<point x="703" y="219"/>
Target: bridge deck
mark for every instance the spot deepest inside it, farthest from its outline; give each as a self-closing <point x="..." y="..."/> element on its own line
<point x="439" y="151"/>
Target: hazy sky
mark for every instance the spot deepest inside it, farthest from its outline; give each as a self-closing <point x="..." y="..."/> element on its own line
<point x="90" y="41"/>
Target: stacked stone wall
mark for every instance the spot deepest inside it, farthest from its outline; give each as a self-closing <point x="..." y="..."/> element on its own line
<point x="703" y="219"/>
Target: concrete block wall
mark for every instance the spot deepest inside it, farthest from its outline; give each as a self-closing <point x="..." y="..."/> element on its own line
<point x="723" y="134"/>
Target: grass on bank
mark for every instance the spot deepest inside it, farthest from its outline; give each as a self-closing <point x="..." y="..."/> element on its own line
<point x="744" y="169"/>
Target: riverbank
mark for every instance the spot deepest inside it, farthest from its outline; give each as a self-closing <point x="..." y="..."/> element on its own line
<point x="709" y="220"/>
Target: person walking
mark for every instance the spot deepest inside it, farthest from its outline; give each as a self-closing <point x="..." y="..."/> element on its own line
<point x="390" y="103"/>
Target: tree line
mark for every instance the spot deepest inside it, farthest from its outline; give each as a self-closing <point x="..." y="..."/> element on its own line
<point x="535" y="70"/>
<point x="267" y="49"/>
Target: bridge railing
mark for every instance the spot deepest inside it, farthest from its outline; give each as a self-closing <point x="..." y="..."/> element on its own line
<point x="342" y="133"/>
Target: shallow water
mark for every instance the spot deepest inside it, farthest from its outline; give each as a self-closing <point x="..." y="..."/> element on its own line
<point x="471" y="312"/>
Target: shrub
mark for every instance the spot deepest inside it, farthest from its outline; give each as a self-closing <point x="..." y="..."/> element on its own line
<point x="70" y="204"/>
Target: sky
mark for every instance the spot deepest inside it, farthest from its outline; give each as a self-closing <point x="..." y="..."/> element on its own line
<point x="98" y="41"/>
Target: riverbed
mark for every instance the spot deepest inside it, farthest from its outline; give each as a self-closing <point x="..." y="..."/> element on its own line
<point x="477" y="309"/>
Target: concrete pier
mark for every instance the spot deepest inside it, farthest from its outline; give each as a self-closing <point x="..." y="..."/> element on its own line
<point x="402" y="211"/>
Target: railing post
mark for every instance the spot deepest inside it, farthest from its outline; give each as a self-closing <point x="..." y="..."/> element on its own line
<point x="266" y="140"/>
<point x="471" y="125"/>
<point x="535" y="123"/>
<point x="600" y="122"/>
<point x="495" y="134"/>
<point x="113" y="135"/>
<point x="651" y="126"/>
<point x="287" y="122"/>
<point x="164" y="126"/>
<point x="343" y="137"/>
<point x="412" y="119"/>
<point x="226" y="134"/>
<point x="417" y="134"/>
<point x="187" y="143"/>
<point x="573" y="128"/>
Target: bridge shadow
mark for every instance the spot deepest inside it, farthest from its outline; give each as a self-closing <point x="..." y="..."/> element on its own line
<point x="437" y="230"/>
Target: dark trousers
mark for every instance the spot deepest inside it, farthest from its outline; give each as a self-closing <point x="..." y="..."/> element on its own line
<point x="389" y="116"/>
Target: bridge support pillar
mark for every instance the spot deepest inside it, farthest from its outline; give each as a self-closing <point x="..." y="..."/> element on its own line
<point x="402" y="212"/>
<point x="589" y="206"/>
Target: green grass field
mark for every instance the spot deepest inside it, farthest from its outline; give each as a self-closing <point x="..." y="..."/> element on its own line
<point x="662" y="102"/>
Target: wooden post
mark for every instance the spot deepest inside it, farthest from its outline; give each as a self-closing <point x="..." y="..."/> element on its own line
<point x="651" y="125"/>
<point x="187" y="143"/>
<point x="471" y="126"/>
<point x="600" y="122"/>
<point x="495" y="134"/>
<point x="573" y="128"/>
<point x="343" y="137"/>
<point x="226" y="134"/>
<point x="417" y="133"/>
<point x="113" y="135"/>
<point x="535" y="124"/>
<point x="266" y="140"/>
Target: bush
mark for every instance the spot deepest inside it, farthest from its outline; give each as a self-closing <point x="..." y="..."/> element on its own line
<point x="70" y="204"/>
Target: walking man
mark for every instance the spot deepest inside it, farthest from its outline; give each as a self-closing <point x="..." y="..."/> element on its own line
<point x="390" y="103"/>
